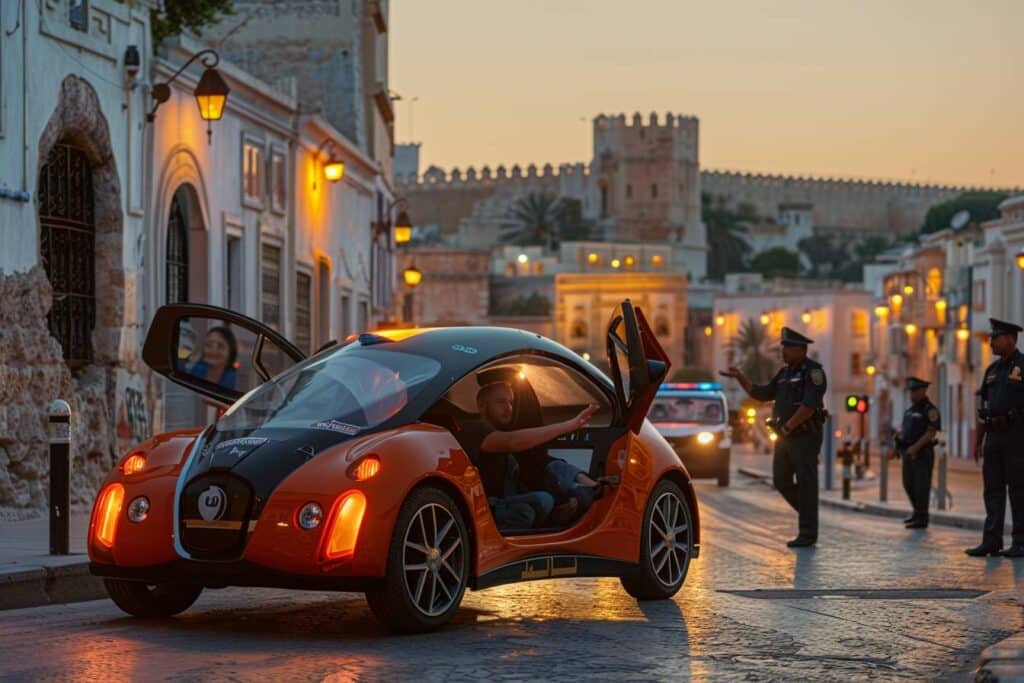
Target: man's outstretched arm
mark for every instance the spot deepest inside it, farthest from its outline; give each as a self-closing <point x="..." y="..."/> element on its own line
<point x="525" y="439"/>
<point x="760" y="392"/>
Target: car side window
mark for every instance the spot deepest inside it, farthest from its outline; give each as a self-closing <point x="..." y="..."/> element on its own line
<point x="562" y="391"/>
<point x="546" y="391"/>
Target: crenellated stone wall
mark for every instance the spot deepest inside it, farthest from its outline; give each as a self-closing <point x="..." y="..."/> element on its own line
<point x="447" y="196"/>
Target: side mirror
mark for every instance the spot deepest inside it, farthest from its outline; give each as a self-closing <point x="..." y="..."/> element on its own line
<point x="215" y="352"/>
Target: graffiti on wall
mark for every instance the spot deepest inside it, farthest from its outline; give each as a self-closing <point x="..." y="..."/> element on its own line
<point x="133" y="424"/>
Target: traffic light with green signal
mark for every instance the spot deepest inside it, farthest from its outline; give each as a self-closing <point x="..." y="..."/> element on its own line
<point x="857" y="404"/>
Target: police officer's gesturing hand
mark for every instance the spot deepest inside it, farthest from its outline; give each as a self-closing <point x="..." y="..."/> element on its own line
<point x="735" y="373"/>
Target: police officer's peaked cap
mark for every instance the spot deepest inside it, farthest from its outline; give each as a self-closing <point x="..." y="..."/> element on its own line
<point x="794" y="338"/>
<point x="1002" y="327"/>
<point x="917" y="383"/>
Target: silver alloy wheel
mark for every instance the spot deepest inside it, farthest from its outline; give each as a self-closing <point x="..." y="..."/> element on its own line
<point x="434" y="559"/>
<point x="669" y="539"/>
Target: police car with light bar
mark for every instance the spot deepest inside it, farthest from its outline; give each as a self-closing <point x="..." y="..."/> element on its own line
<point x="694" y="418"/>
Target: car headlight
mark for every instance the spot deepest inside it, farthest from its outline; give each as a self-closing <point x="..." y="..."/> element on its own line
<point x="138" y="509"/>
<point x="310" y="515"/>
<point x="704" y="438"/>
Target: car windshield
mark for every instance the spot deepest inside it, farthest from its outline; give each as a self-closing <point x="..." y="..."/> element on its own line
<point x="348" y="390"/>
<point x="702" y="409"/>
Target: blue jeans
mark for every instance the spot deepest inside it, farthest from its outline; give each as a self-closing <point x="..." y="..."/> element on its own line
<point x="516" y="510"/>
<point x="560" y="480"/>
<point x="522" y="510"/>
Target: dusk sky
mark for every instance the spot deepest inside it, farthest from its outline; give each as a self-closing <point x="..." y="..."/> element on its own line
<point x="919" y="90"/>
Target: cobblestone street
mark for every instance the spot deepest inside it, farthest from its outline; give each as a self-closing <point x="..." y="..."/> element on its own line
<point x="871" y="601"/>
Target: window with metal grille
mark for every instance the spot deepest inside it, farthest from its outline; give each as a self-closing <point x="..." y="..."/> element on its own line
<point x="270" y="286"/>
<point x="303" y="331"/>
<point x="67" y="246"/>
<point x="177" y="252"/>
<point x="323" y="305"/>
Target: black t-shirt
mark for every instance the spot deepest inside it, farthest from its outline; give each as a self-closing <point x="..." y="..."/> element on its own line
<point x="493" y="467"/>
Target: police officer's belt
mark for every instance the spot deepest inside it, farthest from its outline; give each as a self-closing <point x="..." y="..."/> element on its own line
<point x="1001" y="423"/>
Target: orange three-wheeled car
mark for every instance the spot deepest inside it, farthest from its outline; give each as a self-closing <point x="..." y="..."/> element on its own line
<point x="343" y="471"/>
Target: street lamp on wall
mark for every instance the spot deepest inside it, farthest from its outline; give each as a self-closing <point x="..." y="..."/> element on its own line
<point x="402" y="224"/>
<point x="1020" y="259"/>
<point x="211" y="92"/>
<point x="334" y="169"/>
<point x="403" y="227"/>
<point x="412" y="276"/>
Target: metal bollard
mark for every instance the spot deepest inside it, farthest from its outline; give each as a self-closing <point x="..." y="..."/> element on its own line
<point x="940" y="449"/>
<point x="883" y="475"/>
<point x="60" y="477"/>
<point x="847" y="455"/>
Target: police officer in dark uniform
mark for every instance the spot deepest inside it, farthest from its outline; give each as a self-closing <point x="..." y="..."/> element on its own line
<point x="798" y="390"/>
<point x="1001" y="441"/>
<point x="916" y="446"/>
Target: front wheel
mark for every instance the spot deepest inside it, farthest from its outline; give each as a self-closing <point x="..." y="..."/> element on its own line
<point x="428" y="564"/>
<point x="161" y="600"/>
<point x="666" y="545"/>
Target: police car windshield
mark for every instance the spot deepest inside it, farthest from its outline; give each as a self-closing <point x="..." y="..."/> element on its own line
<point x="346" y="390"/>
<point x="681" y="408"/>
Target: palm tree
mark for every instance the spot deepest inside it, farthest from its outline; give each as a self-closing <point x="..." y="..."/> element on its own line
<point x="539" y="213"/>
<point x="725" y="230"/>
<point x="752" y="353"/>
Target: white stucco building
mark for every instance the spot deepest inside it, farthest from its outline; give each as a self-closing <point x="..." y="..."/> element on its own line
<point x="72" y="223"/>
<point x="105" y="216"/>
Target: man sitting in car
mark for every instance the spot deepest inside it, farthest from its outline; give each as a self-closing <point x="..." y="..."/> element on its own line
<point x="490" y="445"/>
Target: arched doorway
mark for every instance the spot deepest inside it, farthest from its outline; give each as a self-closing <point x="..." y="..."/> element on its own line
<point x="185" y="249"/>
<point x="185" y="280"/>
<point x="177" y="251"/>
<point x="67" y="246"/>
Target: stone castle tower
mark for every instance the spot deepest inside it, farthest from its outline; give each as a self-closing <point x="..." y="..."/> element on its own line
<point x="647" y="179"/>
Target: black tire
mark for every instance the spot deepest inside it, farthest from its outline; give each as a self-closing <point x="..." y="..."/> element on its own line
<point x="656" y="578"/>
<point x="402" y="604"/>
<point x="142" y="600"/>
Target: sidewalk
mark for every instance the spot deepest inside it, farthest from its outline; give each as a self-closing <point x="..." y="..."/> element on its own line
<point x="1003" y="662"/>
<point x="30" y="576"/>
<point x="964" y="509"/>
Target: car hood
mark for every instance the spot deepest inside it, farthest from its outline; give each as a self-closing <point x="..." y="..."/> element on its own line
<point x="261" y="458"/>
<point x="677" y="429"/>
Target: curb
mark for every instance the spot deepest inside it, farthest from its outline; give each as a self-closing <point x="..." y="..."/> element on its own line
<point x="950" y="519"/>
<point x="1003" y="662"/>
<point x="39" y="586"/>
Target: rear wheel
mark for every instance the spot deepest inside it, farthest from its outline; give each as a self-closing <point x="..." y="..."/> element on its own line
<point x="428" y="564"/>
<point x="665" y="547"/>
<point x="142" y="600"/>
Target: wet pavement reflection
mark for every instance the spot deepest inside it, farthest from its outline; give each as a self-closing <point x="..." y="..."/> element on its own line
<point x="585" y="629"/>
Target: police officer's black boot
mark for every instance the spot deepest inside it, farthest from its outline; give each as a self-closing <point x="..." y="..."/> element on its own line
<point x="802" y="542"/>
<point x="1015" y="550"/>
<point x="918" y="523"/>
<point x="992" y="549"/>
